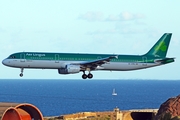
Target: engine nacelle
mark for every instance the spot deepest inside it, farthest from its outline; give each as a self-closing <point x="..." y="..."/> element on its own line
<point x="69" y="69"/>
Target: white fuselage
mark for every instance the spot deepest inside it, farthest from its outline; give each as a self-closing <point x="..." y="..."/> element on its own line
<point x="51" y="64"/>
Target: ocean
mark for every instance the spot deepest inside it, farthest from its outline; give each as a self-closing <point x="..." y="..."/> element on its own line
<point x="58" y="97"/>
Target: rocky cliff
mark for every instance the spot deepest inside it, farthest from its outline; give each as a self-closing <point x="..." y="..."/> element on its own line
<point x="170" y="108"/>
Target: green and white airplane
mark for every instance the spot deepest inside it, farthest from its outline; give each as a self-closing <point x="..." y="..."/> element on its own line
<point x="69" y="63"/>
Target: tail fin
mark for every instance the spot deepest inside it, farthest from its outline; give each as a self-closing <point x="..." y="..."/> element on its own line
<point x="161" y="47"/>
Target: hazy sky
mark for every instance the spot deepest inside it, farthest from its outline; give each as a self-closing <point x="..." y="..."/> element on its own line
<point x="89" y="26"/>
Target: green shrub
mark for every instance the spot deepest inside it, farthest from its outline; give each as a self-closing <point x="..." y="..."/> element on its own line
<point x="168" y="116"/>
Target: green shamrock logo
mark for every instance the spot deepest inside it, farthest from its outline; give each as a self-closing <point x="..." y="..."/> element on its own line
<point x="161" y="46"/>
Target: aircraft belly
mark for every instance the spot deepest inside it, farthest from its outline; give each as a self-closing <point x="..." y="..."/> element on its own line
<point x="44" y="64"/>
<point x="122" y="66"/>
<point x="35" y="64"/>
<point x="39" y="64"/>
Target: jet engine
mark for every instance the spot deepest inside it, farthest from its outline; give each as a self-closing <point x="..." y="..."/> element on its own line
<point x="69" y="69"/>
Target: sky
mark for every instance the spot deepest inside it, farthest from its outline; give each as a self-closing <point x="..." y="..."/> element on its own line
<point x="89" y="26"/>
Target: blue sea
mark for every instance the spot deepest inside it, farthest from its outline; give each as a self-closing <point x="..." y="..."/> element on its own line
<point x="58" y="97"/>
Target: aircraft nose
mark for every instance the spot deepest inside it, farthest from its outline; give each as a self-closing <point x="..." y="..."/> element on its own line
<point x="4" y="62"/>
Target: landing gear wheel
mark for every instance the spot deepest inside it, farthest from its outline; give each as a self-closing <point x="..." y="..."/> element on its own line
<point x="20" y="74"/>
<point x="90" y="75"/>
<point x="84" y="76"/>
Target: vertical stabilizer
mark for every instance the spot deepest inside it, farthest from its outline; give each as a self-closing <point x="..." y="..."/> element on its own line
<point x="161" y="47"/>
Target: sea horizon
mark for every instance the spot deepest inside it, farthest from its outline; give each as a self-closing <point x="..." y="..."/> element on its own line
<point x="80" y="79"/>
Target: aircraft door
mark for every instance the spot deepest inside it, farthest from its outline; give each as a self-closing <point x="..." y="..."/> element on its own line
<point x="56" y="58"/>
<point x="144" y="61"/>
<point x="22" y="57"/>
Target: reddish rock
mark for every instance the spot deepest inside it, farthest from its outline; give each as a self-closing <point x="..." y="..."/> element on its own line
<point x="172" y="106"/>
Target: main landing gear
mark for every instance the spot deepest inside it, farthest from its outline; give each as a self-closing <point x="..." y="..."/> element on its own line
<point x="21" y="74"/>
<point x="85" y="76"/>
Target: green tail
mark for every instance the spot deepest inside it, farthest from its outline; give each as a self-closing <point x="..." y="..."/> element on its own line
<point x="161" y="47"/>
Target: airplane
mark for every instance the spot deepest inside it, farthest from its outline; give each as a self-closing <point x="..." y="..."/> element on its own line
<point x="70" y="63"/>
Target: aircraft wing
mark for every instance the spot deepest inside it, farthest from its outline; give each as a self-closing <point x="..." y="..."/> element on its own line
<point x="165" y="60"/>
<point x="93" y="64"/>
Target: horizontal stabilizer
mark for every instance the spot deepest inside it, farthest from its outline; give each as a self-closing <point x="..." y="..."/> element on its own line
<point x="165" y="60"/>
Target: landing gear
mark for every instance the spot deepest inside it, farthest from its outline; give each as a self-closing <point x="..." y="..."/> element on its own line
<point x="84" y="76"/>
<point x="21" y="74"/>
<point x="90" y="75"/>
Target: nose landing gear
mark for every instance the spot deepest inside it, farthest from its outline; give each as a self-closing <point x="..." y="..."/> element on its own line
<point x="21" y="74"/>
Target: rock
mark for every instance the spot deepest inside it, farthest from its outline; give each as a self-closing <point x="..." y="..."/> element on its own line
<point x="170" y="108"/>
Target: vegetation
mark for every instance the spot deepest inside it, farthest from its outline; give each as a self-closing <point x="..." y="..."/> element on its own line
<point x="168" y="116"/>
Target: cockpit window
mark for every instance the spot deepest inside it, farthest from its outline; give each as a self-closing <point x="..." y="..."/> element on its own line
<point x="12" y="56"/>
